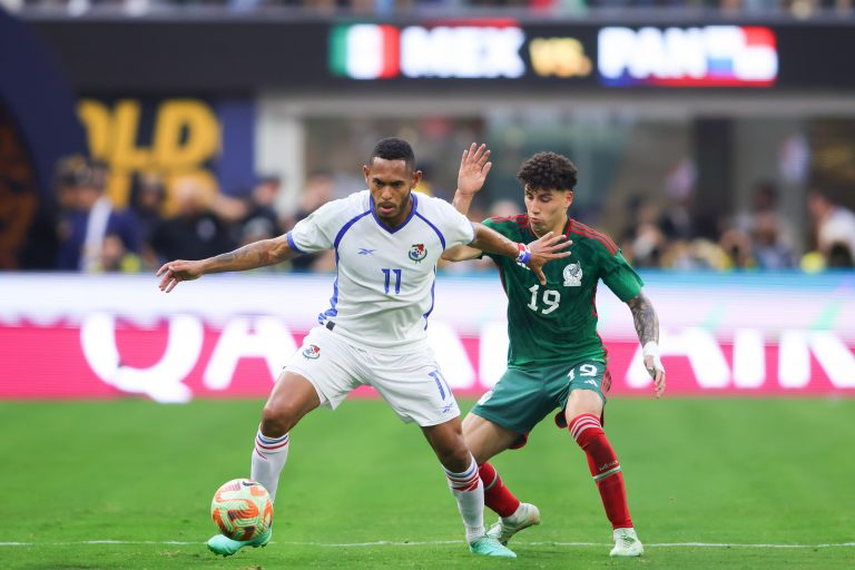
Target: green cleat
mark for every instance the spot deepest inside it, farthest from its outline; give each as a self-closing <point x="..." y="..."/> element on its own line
<point x="489" y="546"/>
<point x="225" y="546"/>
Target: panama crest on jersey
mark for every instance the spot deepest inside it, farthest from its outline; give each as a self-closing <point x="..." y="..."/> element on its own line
<point x="312" y="352"/>
<point x="418" y="252"/>
<point x="572" y="275"/>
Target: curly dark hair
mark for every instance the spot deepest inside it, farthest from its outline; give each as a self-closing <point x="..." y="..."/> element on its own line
<point x="392" y="148"/>
<point x="548" y="171"/>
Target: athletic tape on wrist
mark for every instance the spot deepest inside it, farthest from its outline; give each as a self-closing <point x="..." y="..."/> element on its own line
<point x="651" y="349"/>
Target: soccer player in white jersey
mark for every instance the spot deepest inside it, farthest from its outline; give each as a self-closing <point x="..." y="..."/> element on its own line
<point x="387" y="241"/>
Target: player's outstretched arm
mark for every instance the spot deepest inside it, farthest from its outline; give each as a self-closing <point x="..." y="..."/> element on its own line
<point x="647" y="328"/>
<point x="474" y="166"/>
<point x="251" y="256"/>
<point x="534" y="255"/>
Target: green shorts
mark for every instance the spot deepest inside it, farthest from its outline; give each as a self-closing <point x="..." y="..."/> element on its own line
<point x="523" y="397"/>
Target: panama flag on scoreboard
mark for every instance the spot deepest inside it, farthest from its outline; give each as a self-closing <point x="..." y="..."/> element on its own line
<point x="365" y="51"/>
<point x="707" y="56"/>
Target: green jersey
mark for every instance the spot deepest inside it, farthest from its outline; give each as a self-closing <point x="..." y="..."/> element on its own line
<point x="557" y="323"/>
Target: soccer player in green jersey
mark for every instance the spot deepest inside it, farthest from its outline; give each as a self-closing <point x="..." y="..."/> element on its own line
<point x="556" y="359"/>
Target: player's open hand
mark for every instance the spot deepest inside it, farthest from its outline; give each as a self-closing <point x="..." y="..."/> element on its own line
<point x="544" y="250"/>
<point x="173" y="272"/>
<point x="474" y="167"/>
<point x="654" y="367"/>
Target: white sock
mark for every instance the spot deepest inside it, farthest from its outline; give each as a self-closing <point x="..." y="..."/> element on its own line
<point x="469" y="492"/>
<point x="268" y="459"/>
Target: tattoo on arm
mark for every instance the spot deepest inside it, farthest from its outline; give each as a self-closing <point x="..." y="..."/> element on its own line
<point x="644" y="317"/>
<point x="256" y="254"/>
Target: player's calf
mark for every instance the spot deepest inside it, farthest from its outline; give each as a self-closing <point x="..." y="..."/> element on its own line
<point x="604" y="466"/>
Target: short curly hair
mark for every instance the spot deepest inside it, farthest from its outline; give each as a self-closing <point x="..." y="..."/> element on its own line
<point x="548" y="171"/>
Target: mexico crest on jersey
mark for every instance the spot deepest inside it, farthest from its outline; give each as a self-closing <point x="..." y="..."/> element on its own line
<point x="418" y="252"/>
<point x="572" y="275"/>
<point x="312" y="352"/>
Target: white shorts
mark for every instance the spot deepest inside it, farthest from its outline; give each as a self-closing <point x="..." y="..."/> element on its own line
<point x="411" y="383"/>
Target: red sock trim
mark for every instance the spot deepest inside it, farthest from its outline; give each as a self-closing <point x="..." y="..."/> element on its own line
<point x="466" y="481"/>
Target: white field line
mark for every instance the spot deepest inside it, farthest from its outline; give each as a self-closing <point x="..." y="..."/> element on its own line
<point x="434" y="543"/>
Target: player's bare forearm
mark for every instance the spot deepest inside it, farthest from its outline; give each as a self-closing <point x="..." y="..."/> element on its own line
<point x="533" y="256"/>
<point x="460" y="253"/>
<point x="462" y="202"/>
<point x="647" y="328"/>
<point x="251" y="256"/>
<point x="256" y="254"/>
<point x="645" y="319"/>
<point x="492" y="241"/>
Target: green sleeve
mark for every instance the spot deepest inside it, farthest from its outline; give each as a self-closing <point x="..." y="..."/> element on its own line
<point x="620" y="277"/>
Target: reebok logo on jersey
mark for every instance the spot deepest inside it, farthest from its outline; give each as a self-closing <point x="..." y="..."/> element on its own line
<point x="572" y="275"/>
<point x="312" y="352"/>
<point x="366" y="251"/>
<point x="418" y="252"/>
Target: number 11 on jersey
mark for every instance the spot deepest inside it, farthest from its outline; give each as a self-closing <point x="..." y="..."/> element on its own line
<point x="387" y="274"/>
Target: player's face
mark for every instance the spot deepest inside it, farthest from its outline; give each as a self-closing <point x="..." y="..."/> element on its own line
<point x="390" y="183"/>
<point x="547" y="209"/>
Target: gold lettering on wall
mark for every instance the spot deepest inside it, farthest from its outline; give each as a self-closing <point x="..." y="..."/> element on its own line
<point x="185" y="136"/>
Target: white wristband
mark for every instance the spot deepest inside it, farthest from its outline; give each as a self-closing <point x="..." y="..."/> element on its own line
<point x="650" y="349"/>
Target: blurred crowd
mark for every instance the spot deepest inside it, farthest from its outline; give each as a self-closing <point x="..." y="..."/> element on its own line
<point x="797" y="8"/>
<point x="756" y="238"/>
<point x="192" y="220"/>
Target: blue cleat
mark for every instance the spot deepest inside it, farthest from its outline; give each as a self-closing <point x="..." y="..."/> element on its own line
<point x="489" y="546"/>
<point x="224" y="546"/>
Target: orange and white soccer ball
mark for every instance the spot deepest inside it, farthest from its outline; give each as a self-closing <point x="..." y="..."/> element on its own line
<point x="242" y="509"/>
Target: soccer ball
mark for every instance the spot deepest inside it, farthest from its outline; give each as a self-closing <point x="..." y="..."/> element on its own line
<point x="242" y="509"/>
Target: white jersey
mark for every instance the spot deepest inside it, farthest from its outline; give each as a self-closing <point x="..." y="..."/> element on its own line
<point x="384" y="288"/>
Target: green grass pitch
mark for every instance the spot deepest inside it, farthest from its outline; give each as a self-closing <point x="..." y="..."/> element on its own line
<point x="713" y="483"/>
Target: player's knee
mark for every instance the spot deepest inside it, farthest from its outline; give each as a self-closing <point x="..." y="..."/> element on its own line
<point x="277" y="418"/>
<point x="583" y="402"/>
<point x="456" y="458"/>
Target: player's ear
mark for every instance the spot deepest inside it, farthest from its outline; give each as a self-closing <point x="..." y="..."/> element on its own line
<point x="568" y="195"/>
<point x="417" y="177"/>
<point x="366" y="172"/>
